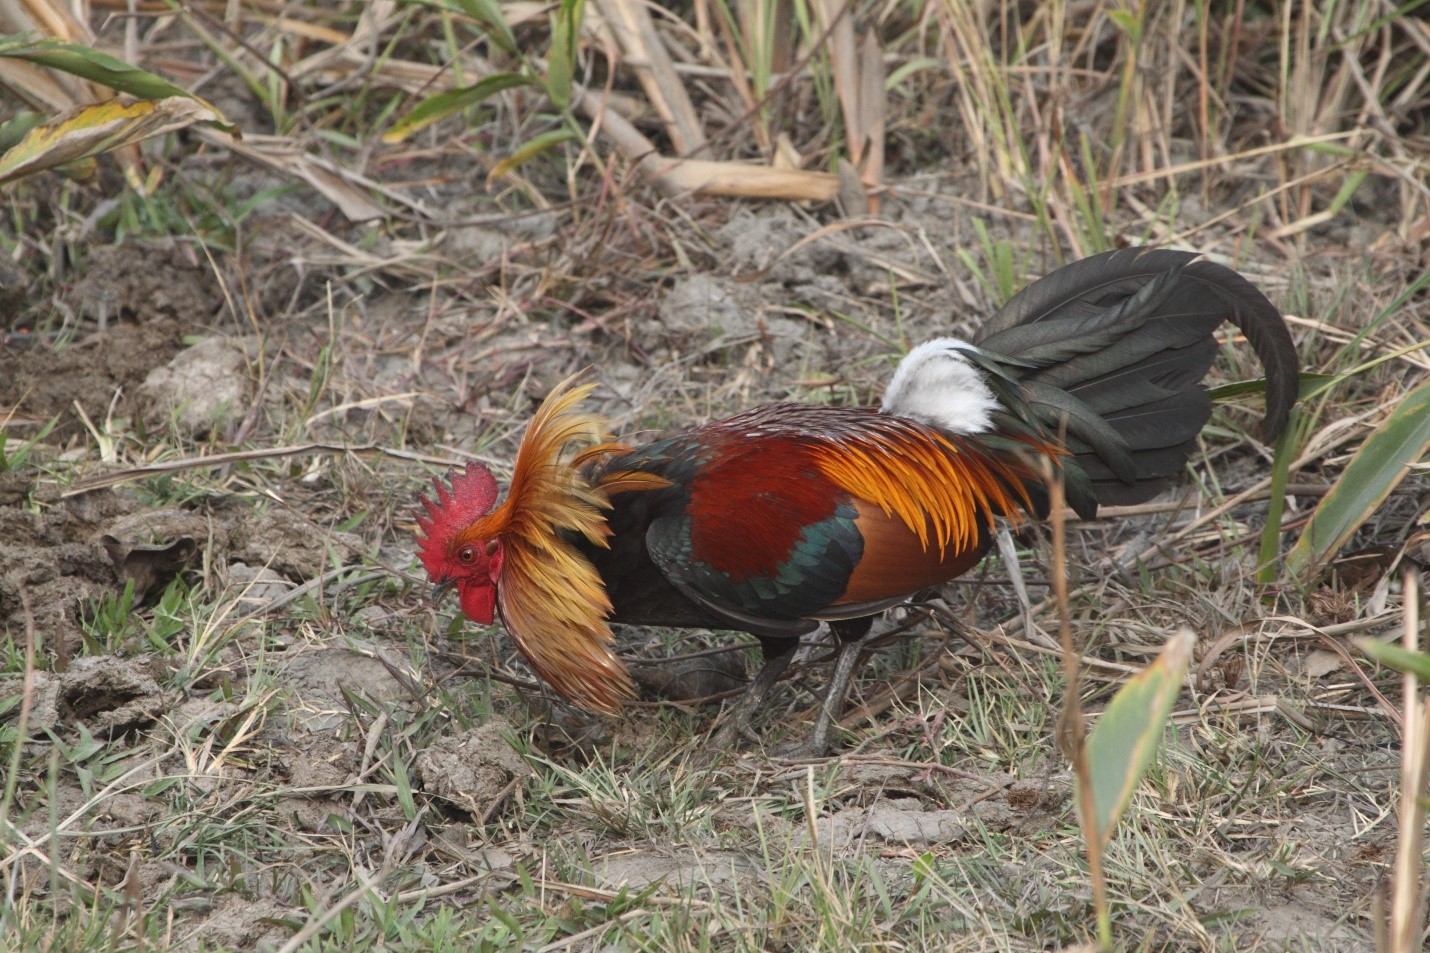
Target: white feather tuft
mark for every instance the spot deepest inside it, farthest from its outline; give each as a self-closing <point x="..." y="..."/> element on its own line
<point x="936" y="384"/>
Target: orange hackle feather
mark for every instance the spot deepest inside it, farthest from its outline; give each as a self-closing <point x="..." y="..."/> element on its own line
<point x="940" y="486"/>
<point x="551" y="598"/>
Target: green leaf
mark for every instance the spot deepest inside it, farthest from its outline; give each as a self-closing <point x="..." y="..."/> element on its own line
<point x="1127" y="735"/>
<point x="1309" y="384"/>
<point x="404" y="787"/>
<point x="1281" y="459"/>
<point x="444" y="104"/>
<point x="489" y="13"/>
<point x="1393" y="656"/>
<point x="90" y="64"/>
<point x="87" y="63"/>
<point x="94" y="130"/>
<point x="561" y="62"/>
<point x="1128" y="22"/>
<point x="14" y="129"/>
<point x="916" y="65"/>
<point x="529" y="150"/>
<point x="1377" y="468"/>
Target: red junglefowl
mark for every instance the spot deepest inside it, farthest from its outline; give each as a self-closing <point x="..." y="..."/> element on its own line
<point x="787" y="516"/>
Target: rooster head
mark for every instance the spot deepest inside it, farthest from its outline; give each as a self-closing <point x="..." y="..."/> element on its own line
<point x="518" y="559"/>
<point x="458" y="546"/>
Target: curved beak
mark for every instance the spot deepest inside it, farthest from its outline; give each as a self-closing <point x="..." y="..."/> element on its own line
<point x="440" y="591"/>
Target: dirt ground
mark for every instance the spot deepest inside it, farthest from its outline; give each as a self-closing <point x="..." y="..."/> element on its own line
<point x="276" y="660"/>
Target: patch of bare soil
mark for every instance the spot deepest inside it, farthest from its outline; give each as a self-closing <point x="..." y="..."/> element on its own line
<point x="55" y="558"/>
<point x="73" y="552"/>
<point x="317" y="681"/>
<point x="143" y="301"/>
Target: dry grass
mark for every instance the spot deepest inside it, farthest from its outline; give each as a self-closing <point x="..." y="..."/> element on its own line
<point x="307" y="761"/>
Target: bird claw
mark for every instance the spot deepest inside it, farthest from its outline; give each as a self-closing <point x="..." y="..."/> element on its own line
<point x="726" y="738"/>
<point x="805" y="750"/>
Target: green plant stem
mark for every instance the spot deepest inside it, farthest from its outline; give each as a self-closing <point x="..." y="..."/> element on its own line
<point x="1072" y="727"/>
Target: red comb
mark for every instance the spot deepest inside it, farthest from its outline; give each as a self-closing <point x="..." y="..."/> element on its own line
<point x="470" y="496"/>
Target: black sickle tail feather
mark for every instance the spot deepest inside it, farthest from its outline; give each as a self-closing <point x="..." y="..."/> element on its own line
<point x="1114" y="348"/>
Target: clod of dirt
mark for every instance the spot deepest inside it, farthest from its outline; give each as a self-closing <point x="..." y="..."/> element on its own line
<point x="292" y="547"/>
<point x="319" y="762"/>
<point x="202" y="388"/>
<point x="44" y="699"/>
<point x="238" y="924"/>
<point x="467" y="844"/>
<point x="1285" y="925"/>
<point x="254" y="587"/>
<point x="45" y="383"/>
<point x="902" y="821"/>
<point x="98" y="508"/>
<point x="15" y="486"/>
<point x="1031" y="797"/>
<point x="150" y="548"/>
<point x="49" y="557"/>
<point x="898" y="824"/>
<point x="638" y="869"/>
<point x="317" y="681"/>
<point x="770" y="239"/>
<point x="159" y="527"/>
<point x="481" y="244"/>
<point x="109" y="695"/>
<point x="143" y="300"/>
<point x="316" y="765"/>
<point x="472" y="769"/>
<point x="150" y="567"/>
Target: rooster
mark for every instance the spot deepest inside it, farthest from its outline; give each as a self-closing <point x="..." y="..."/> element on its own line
<point x="789" y="516"/>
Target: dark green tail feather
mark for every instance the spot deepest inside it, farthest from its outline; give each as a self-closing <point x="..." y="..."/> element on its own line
<point x="1113" y="349"/>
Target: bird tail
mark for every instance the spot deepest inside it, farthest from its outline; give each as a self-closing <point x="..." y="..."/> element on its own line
<point x="1113" y="349"/>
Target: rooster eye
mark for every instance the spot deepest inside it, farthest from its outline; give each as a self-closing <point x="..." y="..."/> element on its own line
<point x="467" y="554"/>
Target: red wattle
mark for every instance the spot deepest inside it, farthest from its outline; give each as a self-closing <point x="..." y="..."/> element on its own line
<point x="478" y="602"/>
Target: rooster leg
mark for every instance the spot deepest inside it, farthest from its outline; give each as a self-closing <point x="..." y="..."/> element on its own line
<point x="1009" y="551"/>
<point x="853" y="636"/>
<point x="736" y="723"/>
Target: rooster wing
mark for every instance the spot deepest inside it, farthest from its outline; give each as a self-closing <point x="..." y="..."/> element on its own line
<point x="788" y="514"/>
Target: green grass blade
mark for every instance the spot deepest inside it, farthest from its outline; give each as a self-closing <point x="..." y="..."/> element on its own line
<point x="92" y="65"/>
<point x="444" y="104"/>
<point x="488" y="12"/>
<point x="1393" y="656"/>
<point x="529" y="150"/>
<point x="101" y="68"/>
<point x="1281" y="459"/>
<point x="1375" y="470"/>
<point x="17" y="128"/>
<point x="1126" y="737"/>
<point x="1310" y="384"/>
<point x="561" y="63"/>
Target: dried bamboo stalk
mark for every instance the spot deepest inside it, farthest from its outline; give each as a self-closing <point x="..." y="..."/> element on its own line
<point x="643" y="49"/>
<point x="873" y="108"/>
<point x="676" y="177"/>
<point x="844" y="61"/>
